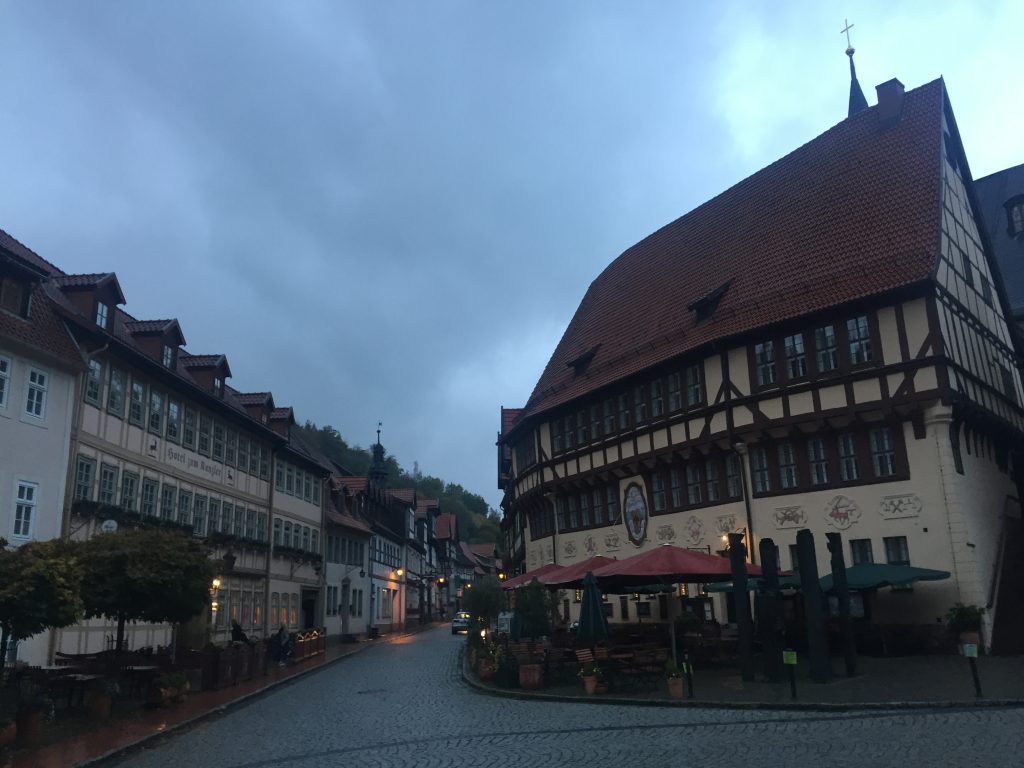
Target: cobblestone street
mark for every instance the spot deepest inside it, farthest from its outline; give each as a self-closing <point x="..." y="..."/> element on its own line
<point x="404" y="704"/>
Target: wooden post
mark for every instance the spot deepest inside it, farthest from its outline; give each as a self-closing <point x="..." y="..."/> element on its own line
<point x="817" y="645"/>
<point x="842" y="593"/>
<point x="738" y="561"/>
<point x="771" y="611"/>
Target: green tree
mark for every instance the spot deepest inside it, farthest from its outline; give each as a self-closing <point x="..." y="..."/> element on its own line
<point x="145" y="575"/>
<point x="485" y="600"/>
<point x="534" y="607"/>
<point x="40" y="588"/>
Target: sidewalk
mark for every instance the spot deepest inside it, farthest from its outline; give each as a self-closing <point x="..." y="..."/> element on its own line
<point x="891" y="682"/>
<point x="107" y="739"/>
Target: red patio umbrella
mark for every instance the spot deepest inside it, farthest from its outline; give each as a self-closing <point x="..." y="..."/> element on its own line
<point x="525" y="578"/>
<point x="572" y="575"/>
<point x="667" y="564"/>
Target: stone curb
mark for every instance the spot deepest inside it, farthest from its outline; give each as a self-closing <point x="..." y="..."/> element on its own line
<point x="797" y="706"/>
<point x="227" y="706"/>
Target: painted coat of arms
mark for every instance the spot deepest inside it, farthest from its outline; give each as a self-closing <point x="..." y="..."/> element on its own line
<point x="611" y="542"/>
<point x="842" y="512"/>
<point x="590" y="546"/>
<point x="569" y="548"/>
<point x="694" y="530"/>
<point x="636" y="514"/>
<point x="666" y="533"/>
<point x="906" y="505"/>
<point x="790" y="517"/>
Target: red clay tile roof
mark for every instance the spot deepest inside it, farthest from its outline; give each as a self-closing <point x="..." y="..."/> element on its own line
<point x="853" y="213"/>
<point x="44" y="331"/>
<point x="444" y="527"/>
<point x="253" y="398"/>
<point x="147" y="326"/>
<point x="354" y="484"/>
<point x="10" y="244"/>
<point x="508" y="418"/>
<point x="423" y="506"/>
<point x="408" y="495"/>
<point x="81" y="281"/>
<point x="346" y="520"/>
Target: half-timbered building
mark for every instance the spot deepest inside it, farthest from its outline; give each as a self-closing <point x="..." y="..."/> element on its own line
<point x="824" y="346"/>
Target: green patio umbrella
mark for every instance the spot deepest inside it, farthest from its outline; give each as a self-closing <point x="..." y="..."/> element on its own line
<point x="876" y="575"/>
<point x="593" y="625"/>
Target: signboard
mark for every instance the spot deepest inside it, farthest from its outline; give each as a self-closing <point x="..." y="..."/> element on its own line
<point x="970" y="650"/>
<point x="109" y="526"/>
<point x="789" y="657"/>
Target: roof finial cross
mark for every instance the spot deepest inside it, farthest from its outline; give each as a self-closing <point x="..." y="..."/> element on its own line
<point x="379" y="425"/>
<point x="846" y="30"/>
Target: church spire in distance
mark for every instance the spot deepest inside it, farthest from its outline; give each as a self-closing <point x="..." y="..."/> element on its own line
<point x="857" y="100"/>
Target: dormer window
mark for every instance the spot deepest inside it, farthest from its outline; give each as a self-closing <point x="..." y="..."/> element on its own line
<point x="218" y="386"/>
<point x="14" y="295"/>
<point x="101" y="314"/>
<point x="168" y="358"/>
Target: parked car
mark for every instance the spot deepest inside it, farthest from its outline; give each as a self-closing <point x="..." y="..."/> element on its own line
<point x="461" y="622"/>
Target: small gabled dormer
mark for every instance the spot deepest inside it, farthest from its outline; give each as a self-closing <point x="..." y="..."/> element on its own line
<point x="17" y="282"/>
<point x="259" y="405"/>
<point x="282" y="420"/>
<point x="158" y="339"/>
<point x="94" y="295"/>
<point x="210" y="372"/>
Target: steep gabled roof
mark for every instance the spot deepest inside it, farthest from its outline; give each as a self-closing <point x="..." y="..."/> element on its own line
<point x="90" y="281"/>
<point x="26" y="254"/>
<point x="851" y="214"/>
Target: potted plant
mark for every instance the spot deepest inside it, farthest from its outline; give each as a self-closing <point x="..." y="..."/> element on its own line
<point x="34" y="708"/>
<point x="100" y="698"/>
<point x="533" y="616"/>
<point x="965" y="620"/>
<point x="674" y="677"/>
<point x="591" y="676"/>
<point x="172" y="687"/>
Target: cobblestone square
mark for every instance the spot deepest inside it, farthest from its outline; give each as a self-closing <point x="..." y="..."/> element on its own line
<point x="403" y="703"/>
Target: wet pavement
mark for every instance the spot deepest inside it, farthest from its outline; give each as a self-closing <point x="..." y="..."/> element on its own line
<point x="405" y="703"/>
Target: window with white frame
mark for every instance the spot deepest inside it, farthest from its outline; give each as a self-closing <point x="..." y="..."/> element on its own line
<point x="5" y="380"/>
<point x="108" y="484"/>
<point x="657" y="401"/>
<point x="137" y="404"/>
<point x="859" y="336"/>
<point x="848" y="469"/>
<point x="204" y="434"/>
<point x="156" y="412"/>
<point x="227" y="513"/>
<point x="759" y="464"/>
<point x="243" y="453"/>
<point x="825" y="348"/>
<point x="129" y="490"/>
<point x="168" y="357"/>
<point x="277" y="532"/>
<point x="764" y="360"/>
<point x="173" y="420"/>
<point x="657" y="493"/>
<point x="692" y="484"/>
<point x="796" y="359"/>
<point x="238" y="522"/>
<point x="817" y="460"/>
<point x="35" y="401"/>
<point x="250" y="524"/>
<point x="214" y="510"/>
<point x="168" y="493"/>
<point x="711" y="479"/>
<point x="676" y="486"/>
<point x="733" y="481"/>
<point x="694" y="389"/>
<point x="287" y="542"/>
<point x="612" y="506"/>
<point x="94" y="382"/>
<point x="218" y="441"/>
<point x="85" y="474"/>
<point x="787" y="466"/>
<point x="199" y="516"/>
<point x="896" y="550"/>
<point x="185" y="508"/>
<point x="883" y="457"/>
<point x="24" y="509"/>
<point x="116" y="391"/>
<point x="860" y="551"/>
<point x="231" y="447"/>
<point x="188" y="430"/>
<point x="102" y="311"/>
<point x="150" y="489"/>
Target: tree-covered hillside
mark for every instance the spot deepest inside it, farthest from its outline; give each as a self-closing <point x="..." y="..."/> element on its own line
<point x="478" y="523"/>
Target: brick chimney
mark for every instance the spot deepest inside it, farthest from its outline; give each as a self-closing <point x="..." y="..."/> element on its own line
<point x="890" y="102"/>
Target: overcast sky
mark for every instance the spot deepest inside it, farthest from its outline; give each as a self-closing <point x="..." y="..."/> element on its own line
<point x="390" y="210"/>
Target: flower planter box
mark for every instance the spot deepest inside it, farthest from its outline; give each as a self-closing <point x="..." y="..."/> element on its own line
<point x="675" y="687"/>
<point x="531" y="676"/>
<point x="590" y="684"/>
